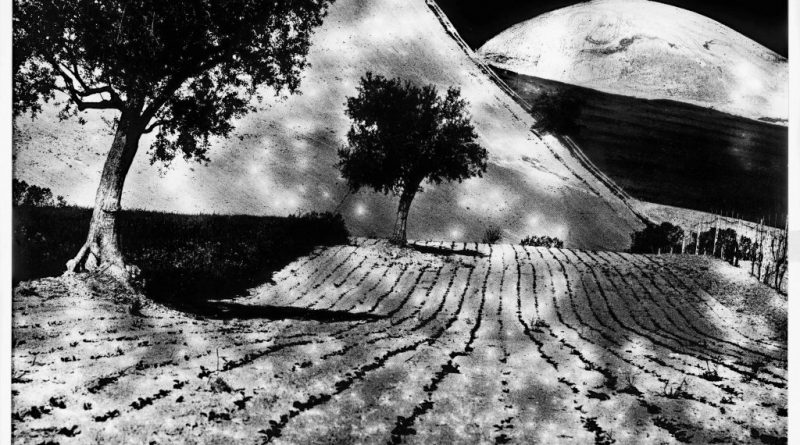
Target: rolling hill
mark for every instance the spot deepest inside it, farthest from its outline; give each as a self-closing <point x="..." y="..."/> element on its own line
<point x="648" y="50"/>
<point x="281" y="159"/>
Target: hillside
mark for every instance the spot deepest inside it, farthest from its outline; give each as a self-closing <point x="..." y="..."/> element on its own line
<point x="648" y="50"/>
<point x="280" y="159"/>
<point x="674" y="153"/>
<point x="452" y="343"/>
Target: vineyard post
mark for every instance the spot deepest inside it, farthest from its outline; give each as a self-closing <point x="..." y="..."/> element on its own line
<point x="697" y="241"/>
<point x="683" y="244"/>
<point x="779" y="254"/>
<point x="752" y="253"/>
<point x="716" y="234"/>
<point x="760" y="247"/>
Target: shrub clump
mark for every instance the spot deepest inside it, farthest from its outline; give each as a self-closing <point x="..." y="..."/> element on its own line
<point x="726" y="246"/>
<point x="492" y="235"/>
<point x="542" y="241"/>
<point x="24" y="194"/>
<point x="654" y="238"/>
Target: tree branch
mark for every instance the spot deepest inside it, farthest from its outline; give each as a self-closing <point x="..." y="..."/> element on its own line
<point x="155" y="124"/>
<point x="86" y="105"/>
<point x="70" y="78"/>
<point x="219" y="55"/>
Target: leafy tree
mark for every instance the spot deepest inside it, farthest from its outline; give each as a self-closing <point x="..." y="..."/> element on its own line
<point x="180" y="68"/>
<point x="402" y="135"/>
<point x="24" y="194"/>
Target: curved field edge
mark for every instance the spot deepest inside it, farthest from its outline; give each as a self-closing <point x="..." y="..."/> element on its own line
<point x="435" y="343"/>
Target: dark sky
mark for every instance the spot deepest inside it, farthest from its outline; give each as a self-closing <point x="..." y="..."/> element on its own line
<point x="765" y="21"/>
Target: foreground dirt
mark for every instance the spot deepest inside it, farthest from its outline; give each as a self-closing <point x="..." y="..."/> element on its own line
<point x="467" y="343"/>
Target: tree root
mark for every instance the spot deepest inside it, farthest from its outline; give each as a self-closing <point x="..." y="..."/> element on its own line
<point x="88" y="260"/>
<point x="397" y="241"/>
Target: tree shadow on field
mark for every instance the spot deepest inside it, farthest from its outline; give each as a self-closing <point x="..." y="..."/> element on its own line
<point x="436" y="250"/>
<point x="186" y="260"/>
<point x="189" y="261"/>
<point x="227" y="310"/>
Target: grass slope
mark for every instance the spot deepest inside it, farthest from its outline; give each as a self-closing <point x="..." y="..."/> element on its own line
<point x="479" y="343"/>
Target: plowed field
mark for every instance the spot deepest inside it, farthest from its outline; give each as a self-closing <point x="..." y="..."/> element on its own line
<point x="444" y="343"/>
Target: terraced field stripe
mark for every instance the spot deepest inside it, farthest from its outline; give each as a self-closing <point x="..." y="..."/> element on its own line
<point x="352" y="377"/>
<point x="658" y="329"/>
<point x="694" y="289"/>
<point x="371" y="292"/>
<point x="322" y="275"/>
<point x="310" y="336"/>
<point x="404" y="425"/>
<point x="312" y="268"/>
<point x="641" y="332"/>
<point x="651" y="336"/>
<point x="611" y="377"/>
<point x="334" y="409"/>
<point x="672" y="309"/>
<point x="604" y="338"/>
<point x="377" y="335"/>
<point x="373" y="268"/>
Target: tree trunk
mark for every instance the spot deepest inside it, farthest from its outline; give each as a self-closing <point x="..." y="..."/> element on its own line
<point x="399" y="234"/>
<point x="101" y="252"/>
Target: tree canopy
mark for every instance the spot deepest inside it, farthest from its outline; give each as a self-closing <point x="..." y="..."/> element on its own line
<point x="183" y="68"/>
<point x="402" y="134"/>
<point x="654" y="238"/>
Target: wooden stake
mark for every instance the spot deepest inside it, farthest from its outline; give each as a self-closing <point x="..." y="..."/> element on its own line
<point x="683" y="244"/>
<point x="697" y="241"/>
<point x="716" y="235"/>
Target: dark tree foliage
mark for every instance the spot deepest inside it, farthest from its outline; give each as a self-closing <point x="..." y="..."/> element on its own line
<point x="185" y="259"/>
<point x="542" y="241"/>
<point x="726" y="246"/>
<point x="778" y="246"/>
<point x="492" y="235"/>
<point x="663" y="238"/>
<point x="24" y="194"/>
<point x="180" y="68"/>
<point x="558" y="112"/>
<point x="748" y="250"/>
<point x="402" y="135"/>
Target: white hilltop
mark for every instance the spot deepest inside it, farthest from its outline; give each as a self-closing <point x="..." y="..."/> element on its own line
<point x="649" y="50"/>
<point x="280" y="160"/>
